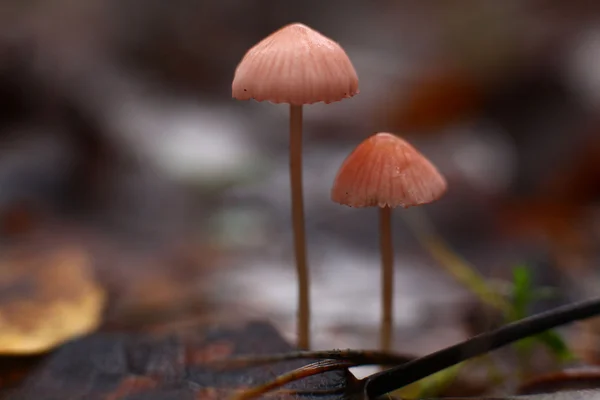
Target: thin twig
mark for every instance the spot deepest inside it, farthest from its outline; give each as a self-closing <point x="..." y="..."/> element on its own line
<point x="306" y="371"/>
<point x="356" y="357"/>
<point x="395" y="378"/>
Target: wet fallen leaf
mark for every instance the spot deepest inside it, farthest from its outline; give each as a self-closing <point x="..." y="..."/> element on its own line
<point x="435" y="100"/>
<point x="13" y="369"/>
<point x="558" y="222"/>
<point x="18" y="219"/>
<point x="175" y="365"/>
<point x="166" y="284"/>
<point x="46" y="299"/>
<point x="586" y="340"/>
<point x="558" y="207"/>
<point x="570" y="395"/>
<point x="582" y="378"/>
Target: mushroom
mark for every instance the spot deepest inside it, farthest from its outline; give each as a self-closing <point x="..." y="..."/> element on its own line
<point x="296" y="65"/>
<point x="387" y="172"/>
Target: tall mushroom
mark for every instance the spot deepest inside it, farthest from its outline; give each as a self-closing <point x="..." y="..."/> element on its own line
<point x="296" y="65"/>
<point x="387" y="172"/>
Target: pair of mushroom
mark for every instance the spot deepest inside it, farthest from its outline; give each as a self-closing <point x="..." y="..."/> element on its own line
<point x="299" y="66"/>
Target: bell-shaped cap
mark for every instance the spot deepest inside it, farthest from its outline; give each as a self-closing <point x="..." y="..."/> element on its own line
<point x="386" y="171"/>
<point x="295" y="65"/>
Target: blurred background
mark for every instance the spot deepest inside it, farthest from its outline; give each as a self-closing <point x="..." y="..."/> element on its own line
<point x="119" y="138"/>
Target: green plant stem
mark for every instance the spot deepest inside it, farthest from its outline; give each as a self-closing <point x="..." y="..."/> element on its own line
<point x="453" y="263"/>
<point x="298" y="226"/>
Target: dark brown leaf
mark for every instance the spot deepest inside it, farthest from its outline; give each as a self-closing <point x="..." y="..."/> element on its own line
<point x="130" y="366"/>
<point x="572" y="379"/>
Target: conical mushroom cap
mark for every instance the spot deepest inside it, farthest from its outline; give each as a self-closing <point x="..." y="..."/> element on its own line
<point x="386" y="171"/>
<point x="295" y="65"/>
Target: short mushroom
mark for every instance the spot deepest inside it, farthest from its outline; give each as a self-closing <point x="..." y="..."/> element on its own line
<point x="296" y="65"/>
<point x="385" y="171"/>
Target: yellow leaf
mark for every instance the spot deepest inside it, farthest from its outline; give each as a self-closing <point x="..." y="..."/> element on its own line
<point x="46" y="299"/>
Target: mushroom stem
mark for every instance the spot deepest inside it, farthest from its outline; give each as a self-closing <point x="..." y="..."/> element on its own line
<point x="387" y="277"/>
<point x="298" y="226"/>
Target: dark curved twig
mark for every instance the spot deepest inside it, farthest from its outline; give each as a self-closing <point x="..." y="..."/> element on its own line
<point x="396" y="378"/>
<point x="316" y="368"/>
<point x="356" y="357"/>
